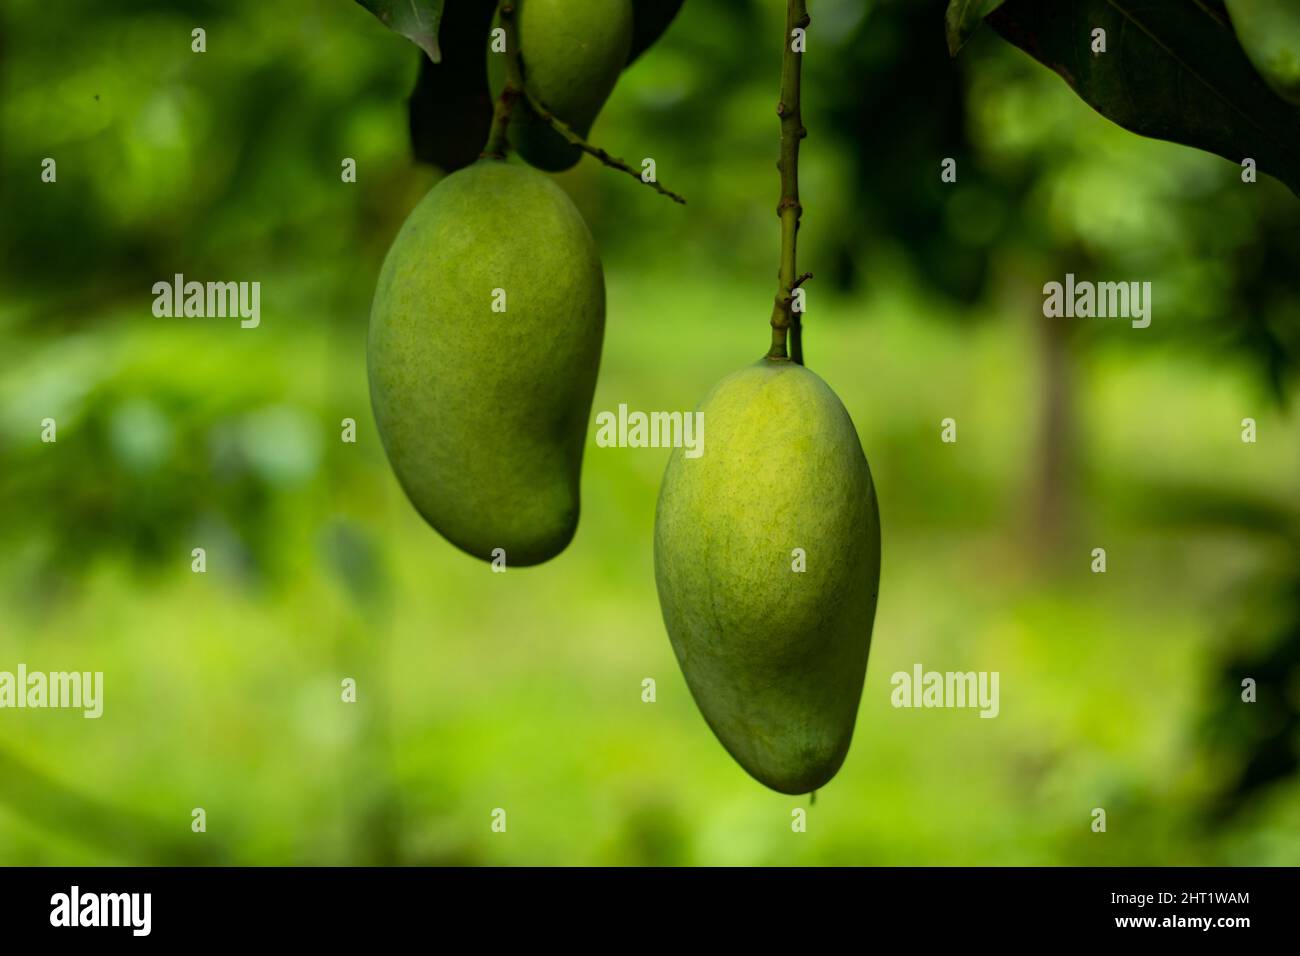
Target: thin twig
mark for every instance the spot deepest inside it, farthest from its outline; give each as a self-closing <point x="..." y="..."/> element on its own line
<point x="516" y="88"/>
<point x="574" y="139"/>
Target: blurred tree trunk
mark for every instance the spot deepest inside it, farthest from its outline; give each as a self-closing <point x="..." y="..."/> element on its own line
<point x="1050" y="480"/>
<point x="1057" y="456"/>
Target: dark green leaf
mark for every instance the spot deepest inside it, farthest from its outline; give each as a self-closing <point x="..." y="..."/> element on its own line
<point x="451" y="107"/>
<point x="1173" y="70"/>
<point x="964" y="18"/>
<point x="650" y="18"/>
<point x="417" y="20"/>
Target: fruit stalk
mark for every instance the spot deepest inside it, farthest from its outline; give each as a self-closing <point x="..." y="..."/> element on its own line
<point x="498" y="142"/>
<point x="785" y="321"/>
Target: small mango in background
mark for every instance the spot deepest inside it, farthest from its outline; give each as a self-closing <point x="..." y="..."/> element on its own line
<point x="573" y="52"/>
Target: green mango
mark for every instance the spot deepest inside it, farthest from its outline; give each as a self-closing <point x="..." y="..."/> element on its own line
<point x="483" y="413"/>
<point x="775" y="658"/>
<point x="572" y="53"/>
<point x="650" y="18"/>
<point x="1269" y="31"/>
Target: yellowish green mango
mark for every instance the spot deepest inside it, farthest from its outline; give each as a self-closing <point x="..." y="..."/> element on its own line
<point x="572" y="52"/>
<point x="774" y="655"/>
<point x="485" y="339"/>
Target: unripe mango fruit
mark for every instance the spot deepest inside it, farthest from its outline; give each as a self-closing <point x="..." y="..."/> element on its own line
<point x="483" y="413"/>
<point x="774" y="657"/>
<point x="1269" y="31"/>
<point x="572" y="53"/>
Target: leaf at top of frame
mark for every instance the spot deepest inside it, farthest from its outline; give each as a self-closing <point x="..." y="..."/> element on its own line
<point x="450" y="109"/>
<point x="1172" y="70"/>
<point x="417" y="20"/>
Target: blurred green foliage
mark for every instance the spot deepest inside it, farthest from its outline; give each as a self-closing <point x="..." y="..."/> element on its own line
<point x="523" y="690"/>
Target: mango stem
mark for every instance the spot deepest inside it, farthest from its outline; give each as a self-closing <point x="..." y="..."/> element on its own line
<point x="574" y="139"/>
<point x="785" y="320"/>
<point x="498" y="143"/>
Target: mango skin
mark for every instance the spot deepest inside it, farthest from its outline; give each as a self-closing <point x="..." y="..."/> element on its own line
<point x="484" y="414"/>
<point x="1269" y="31"/>
<point x="775" y="659"/>
<point x="573" y="52"/>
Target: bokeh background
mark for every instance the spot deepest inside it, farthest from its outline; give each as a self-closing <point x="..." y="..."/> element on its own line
<point x="523" y="690"/>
